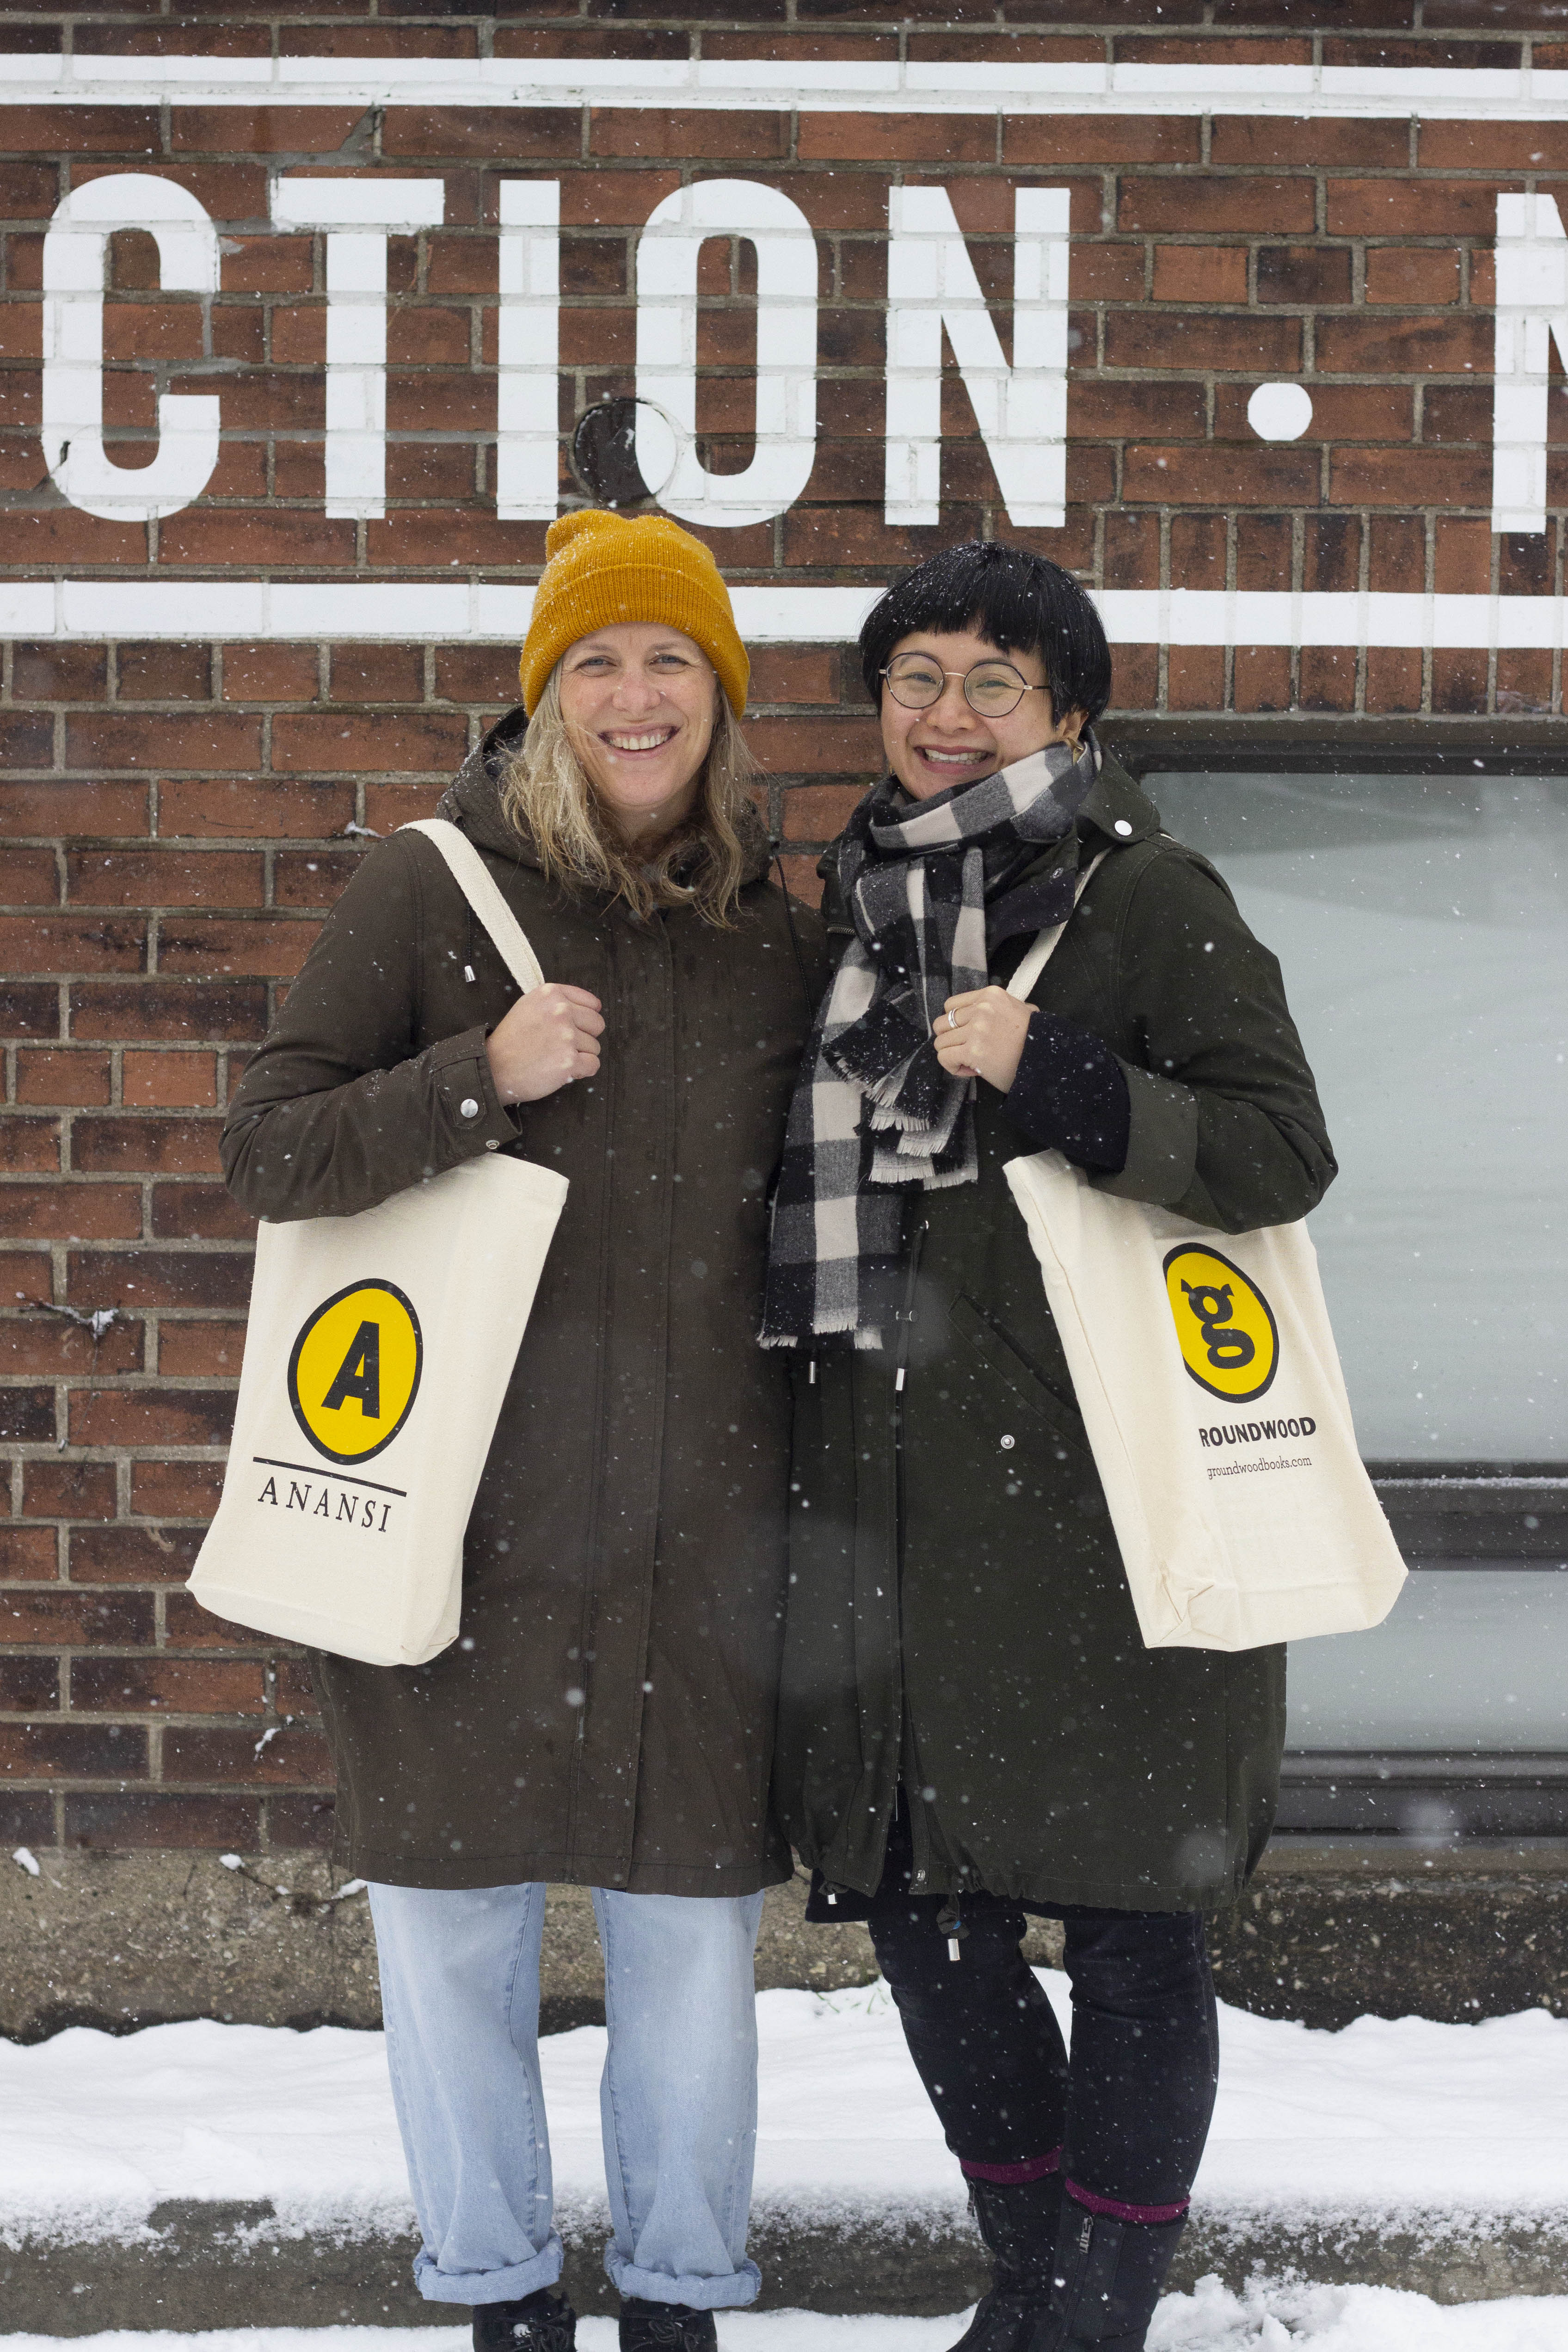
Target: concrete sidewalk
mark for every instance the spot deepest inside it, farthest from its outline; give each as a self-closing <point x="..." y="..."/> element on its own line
<point x="202" y="2174"/>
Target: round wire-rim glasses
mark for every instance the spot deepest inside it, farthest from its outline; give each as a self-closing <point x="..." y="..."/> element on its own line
<point x="992" y="687"/>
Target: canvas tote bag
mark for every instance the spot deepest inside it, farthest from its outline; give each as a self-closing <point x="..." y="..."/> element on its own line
<point x="1210" y="1388"/>
<point x="376" y="1358"/>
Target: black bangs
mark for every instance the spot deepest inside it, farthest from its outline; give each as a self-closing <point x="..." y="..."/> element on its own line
<point x="1021" y="602"/>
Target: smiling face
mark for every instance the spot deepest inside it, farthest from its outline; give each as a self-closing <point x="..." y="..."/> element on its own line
<point x="638" y="700"/>
<point x="949" y="742"/>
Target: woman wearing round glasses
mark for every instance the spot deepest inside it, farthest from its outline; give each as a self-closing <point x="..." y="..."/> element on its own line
<point x="971" y="1729"/>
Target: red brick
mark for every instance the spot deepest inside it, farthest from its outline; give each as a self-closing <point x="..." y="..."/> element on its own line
<point x="105" y="1824"/>
<point x="1221" y="474"/>
<point x="303" y="878"/>
<point x="298" y="1757"/>
<point x="819" y="811"/>
<point x="261" y="129"/>
<point x="275" y="948"/>
<point x="1523" y="683"/>
<point x="1042" y="141"/>
<point x="26" y="1416"/>
<point x="636" y="131"/>
<point x="1303" y="274"/>
<point x="1410" y="477"/>
<point x="66" y="1616"/>
<point x="1461" y="562"/>
<point x="1328" y="678"/>
<point x="35" y="1751"/>
<point x="199" y="1213"/>
<point x="838" y="746"/>
<point x="269" y="673"/>
<point x="802" y="879"/>
<point x="264" y="809"/>
<point x="150" y="1416"/>
<point x="214" y="739"/>
<point x="26" y="1555"/>
<point x="168" y="1685"/>
<point x="29" y="1012"/>
<point x="52" y="673"/>
<point x="380" y="673"/>
<point x="63" y="808"/>
<point x="239" y="539"/>
<point x="61" y="1077"/>
<point x="794" y="674"/>
<point x="29" y="1146"/>
<point x="172" y="1146"/>
<point x="128" y="131"/>
<point x="164" y="673"/>
<point x="1253" y="344"/>
<point x="294" y="1689"/>
<point x="129" y="1555"/>
<point x="178" y="1012"/>
<point x="1260" y="141"/>
<point x="1398" y="555"/>
<point x="1393" y="677"/>
<point x="67" y="943"/>
<point x="1261" y="677"/>
<point x="1137" y="678"/>
<point x="51" y="1345"/>
<point x="28" y="878"/>
<point x="1533" y="147"/>
<point x="29" y="1686"/>
<point x="1195" y="678"/>
<point x="161" y="878"/>
<point x="159" y="1081"/>
<point x="1186" y="204"/>
<point x="191" y="1627"/>
<point x="1416" y="206"/>
<point x="1413" y="273"/>
<point x="70" y="1212"/>
<point x="1460" y="681"/>
<point x="68" y="1490"/>
<point x="357" y="743"/>
<point x="297" y="1821"/>
<point x="200" y="1350"/>
<point x="1200" y="273"/>
<point x="156" y="1277"/>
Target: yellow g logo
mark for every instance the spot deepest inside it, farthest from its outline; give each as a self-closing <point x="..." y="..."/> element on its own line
<point x="1225" y="1326"/>
<point x="354" y="1372"/>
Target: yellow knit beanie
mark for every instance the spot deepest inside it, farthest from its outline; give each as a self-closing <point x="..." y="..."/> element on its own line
<point x="602" y="568"/>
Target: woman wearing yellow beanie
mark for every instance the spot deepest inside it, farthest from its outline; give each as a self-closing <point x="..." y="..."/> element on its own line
<point x="605" y="1717"/>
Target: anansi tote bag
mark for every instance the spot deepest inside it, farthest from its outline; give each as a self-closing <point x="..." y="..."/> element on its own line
<point x="1210" y="1388"/>
<point x="376" y="1358"/>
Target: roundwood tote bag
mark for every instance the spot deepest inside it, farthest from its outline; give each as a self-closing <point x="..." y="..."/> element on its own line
<point x="377" y="1355"/>
<point x="1210" y="1388"/>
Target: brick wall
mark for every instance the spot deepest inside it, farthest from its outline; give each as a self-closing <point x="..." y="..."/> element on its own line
<point x="178" y="815"/>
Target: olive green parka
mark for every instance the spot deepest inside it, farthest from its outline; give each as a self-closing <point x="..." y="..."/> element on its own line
<point x="959" y="1617"/>
<point x="606" y="1716"/>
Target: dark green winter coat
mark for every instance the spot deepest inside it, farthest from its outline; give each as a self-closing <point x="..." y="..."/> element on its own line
<point x="606" y="1716"/>
<point x="959" y="1614"/>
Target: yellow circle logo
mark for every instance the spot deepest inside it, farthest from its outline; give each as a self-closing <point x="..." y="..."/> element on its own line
<point x="1225" y="1326"/>
<point x="354" y="1372"/>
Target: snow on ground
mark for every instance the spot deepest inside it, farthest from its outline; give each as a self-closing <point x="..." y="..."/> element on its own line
<point x="1326" y="2318"/>
<point x="1386" y="2118"/>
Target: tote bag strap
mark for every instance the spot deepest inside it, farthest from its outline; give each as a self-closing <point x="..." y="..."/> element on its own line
<point x="1046" y="942"/>
<point x="474" y="878"/>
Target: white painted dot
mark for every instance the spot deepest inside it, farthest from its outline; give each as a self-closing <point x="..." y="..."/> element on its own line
<point x="1280" y="411"/>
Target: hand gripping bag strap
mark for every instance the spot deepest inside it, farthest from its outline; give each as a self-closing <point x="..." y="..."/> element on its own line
<point x="474" y="878"/>
<point x="1047" y="943"/>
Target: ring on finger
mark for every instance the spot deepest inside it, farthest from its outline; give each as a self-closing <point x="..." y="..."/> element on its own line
<point x="952" y="1018"/>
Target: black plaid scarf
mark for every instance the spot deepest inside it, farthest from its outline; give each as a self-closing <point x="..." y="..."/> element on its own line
<point x="874" y="1112"/>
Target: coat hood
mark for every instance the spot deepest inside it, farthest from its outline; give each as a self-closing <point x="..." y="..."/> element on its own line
<point x="473" y="800"/>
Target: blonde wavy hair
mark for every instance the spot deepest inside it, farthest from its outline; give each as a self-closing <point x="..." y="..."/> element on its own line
<point x="547" y="794"/>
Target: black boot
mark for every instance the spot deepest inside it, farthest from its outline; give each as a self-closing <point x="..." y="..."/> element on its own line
<point x="542" y="2322"/>
<point x="1018" y="2221"/>
<point x="1108" y="2276"/>
<point x="666" y="2327"/>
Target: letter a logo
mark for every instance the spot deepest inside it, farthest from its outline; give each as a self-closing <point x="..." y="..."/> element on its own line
<point x="354" y="1370"/>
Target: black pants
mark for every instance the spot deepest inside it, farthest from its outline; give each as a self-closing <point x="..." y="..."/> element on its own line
<point x="1126" y="2119"/>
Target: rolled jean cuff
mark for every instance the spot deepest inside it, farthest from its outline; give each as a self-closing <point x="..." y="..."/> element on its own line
<point x="474" y="2287"/>
<point x="742" y="2286"/>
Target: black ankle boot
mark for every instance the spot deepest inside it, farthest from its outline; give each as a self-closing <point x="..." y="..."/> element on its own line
<point x="1107" y="2280"/>
<point x="666" y="2327"/>
<point x="542" y="2322"/>
<point x="1018" y="2221"/>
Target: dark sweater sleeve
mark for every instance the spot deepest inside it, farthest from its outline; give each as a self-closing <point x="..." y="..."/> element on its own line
<point x="1071" y="1095"/>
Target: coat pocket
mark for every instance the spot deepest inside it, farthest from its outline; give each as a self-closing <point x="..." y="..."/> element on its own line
<point x="1014" y="1370"/>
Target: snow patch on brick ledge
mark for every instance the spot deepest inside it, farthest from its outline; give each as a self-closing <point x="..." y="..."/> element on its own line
<point x="1402" y="2125"/>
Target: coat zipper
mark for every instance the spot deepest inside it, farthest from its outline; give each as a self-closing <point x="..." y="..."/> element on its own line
<point x="920" y="1856"/>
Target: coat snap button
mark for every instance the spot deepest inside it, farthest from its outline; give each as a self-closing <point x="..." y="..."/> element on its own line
<point x="1123" y="827"/>
<point x="1007" y="1443"/>
<point x="468" y="1106"/>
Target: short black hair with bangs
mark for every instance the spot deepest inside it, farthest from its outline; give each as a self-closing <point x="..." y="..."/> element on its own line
<point x="1019" y="601"/>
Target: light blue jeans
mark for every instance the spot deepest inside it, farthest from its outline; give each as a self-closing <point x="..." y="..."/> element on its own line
<point x="460" y="1994"/>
